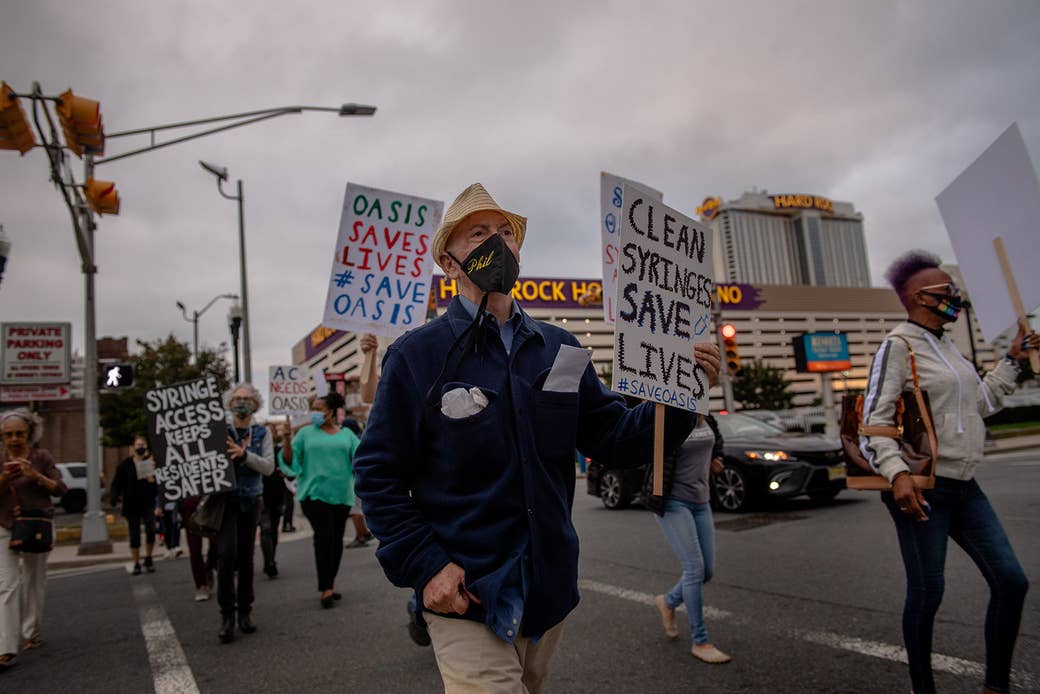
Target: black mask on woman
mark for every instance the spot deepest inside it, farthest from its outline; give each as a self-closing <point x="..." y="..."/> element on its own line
<point x="140" y="451"/>
<point x="491" y="266"/>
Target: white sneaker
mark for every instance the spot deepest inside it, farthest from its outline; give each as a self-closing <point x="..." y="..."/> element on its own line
<point x="201" y="595"/>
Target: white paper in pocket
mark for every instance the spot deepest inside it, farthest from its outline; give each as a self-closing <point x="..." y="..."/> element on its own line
<point x="567" y="370"/>
<point x="459" y="403"/>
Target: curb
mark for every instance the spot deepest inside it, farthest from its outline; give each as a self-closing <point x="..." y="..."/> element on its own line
<point x="86" y="561"/>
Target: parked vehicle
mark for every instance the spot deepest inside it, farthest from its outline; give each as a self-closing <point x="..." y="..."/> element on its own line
<point x="74" y="475"/>
<point x="761" y="462"/>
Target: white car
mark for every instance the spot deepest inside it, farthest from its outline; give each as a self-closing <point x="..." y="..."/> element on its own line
<point x="74" y="475"/>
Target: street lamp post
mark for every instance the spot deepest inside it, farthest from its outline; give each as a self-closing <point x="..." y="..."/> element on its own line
<point x="234" y="318"/>
<point x="194" y="320"/>
<point x="221" y="173"/>
<point x="94" y="538"/>
<point x="5" y="250"/>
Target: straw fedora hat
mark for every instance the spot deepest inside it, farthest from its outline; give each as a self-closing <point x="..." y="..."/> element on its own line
<point x="473" y="199"/>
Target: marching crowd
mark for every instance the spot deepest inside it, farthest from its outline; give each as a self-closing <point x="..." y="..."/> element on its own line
<point x="466" y="474"/>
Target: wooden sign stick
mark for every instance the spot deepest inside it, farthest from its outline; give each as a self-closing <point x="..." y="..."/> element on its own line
<point x="1016" y="298"/>
<point x="658" y="449"/>
<point x="366" y="368"/>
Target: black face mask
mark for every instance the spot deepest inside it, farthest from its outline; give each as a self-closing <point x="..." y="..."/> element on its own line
<point x="491" y="266"/>
<point x="140" y="451"/>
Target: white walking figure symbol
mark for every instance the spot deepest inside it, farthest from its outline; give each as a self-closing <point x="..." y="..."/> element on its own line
<point x="113" y="376"/>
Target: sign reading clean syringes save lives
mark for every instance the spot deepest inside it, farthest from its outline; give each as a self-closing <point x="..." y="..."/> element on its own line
<point x="664" y="292"/>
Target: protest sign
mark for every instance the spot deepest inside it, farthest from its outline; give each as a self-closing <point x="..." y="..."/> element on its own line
<point x="609" y="224"/>
<point x="997" y="196"/>
<point x="663" y="299"/>
<point x="288" y="390"/>
<point x="188" y="437"/>
<point x="382" y="263"/>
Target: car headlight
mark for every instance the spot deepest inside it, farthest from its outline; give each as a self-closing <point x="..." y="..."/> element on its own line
<point x="767" y="456"/>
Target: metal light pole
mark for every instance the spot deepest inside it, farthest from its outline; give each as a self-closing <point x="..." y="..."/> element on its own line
<point x="234" y="318"/>
<point x="194" y="320"/>
<point x="94" y="538"/>
<point x="5" y="250"/>
<point x="221" y="174"/>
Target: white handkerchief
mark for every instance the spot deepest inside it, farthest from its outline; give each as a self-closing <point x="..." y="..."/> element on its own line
<point x="458" y="403"/>
<point x="567" y="369"/>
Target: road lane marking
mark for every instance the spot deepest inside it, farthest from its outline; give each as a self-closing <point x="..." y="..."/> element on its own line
<point x="874" y="649"/>
<point x="170" y="670"/>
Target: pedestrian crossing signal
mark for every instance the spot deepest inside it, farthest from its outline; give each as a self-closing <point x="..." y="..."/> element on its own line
<point x="115" y="376"/>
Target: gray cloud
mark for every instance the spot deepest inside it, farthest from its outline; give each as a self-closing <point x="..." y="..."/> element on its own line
<point x="881" y="104"/>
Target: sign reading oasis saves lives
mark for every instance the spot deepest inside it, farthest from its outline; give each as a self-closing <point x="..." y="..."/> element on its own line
<point x="381" y="270"/>
<point x="663" y="301"/>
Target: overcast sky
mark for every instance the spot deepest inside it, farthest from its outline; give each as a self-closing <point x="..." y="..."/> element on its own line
<point x="877" y="103"/>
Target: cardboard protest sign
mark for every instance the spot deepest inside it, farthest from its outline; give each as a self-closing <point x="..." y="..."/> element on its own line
<point x="664" y="291"/>
<point x="144" y="468"/>
<point x="998" y="195"/>
<point x="610" y="224"/>
<point x="288" y="390"/>
<point x="382" y="264"/>
<point x="187" y="432"/>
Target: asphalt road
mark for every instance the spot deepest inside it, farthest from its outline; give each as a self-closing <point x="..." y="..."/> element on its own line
<point x="806" y="597"/>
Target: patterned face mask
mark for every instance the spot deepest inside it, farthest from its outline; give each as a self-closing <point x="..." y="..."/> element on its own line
<point x="950" y="300"/>
<point x="491" y="266"/>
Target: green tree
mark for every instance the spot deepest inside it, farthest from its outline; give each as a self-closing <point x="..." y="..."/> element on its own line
<point x="162" y="362"/>
<point x="762" y="387"/>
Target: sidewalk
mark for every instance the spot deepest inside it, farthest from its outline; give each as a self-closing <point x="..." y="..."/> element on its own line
<point x="67" y="556"/>
<point x="1013" y="443"/>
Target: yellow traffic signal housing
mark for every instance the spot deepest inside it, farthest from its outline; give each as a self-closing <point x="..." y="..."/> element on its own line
<point x="730" y="351"/>
<point x="81" y="120"/>
<point x="102" y="196"/>
<point x="15" y="131"/>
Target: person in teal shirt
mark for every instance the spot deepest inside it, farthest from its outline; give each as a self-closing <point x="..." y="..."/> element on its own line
<point x="320" y="457"/>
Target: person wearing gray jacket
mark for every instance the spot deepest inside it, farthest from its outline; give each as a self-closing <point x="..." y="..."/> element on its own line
<point x="956" y="508"/>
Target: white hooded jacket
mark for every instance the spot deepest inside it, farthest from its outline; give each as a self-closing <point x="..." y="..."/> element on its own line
<point x="959" y="400"/>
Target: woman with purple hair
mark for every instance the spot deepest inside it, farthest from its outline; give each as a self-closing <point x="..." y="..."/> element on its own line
<point x="956" y="508"/>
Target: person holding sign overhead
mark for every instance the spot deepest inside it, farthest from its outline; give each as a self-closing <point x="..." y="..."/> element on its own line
<point x="250" y="449"/>
<point x="956" y="508"/>
<point x="320" y="457"/>
<point x="467" y="467"/>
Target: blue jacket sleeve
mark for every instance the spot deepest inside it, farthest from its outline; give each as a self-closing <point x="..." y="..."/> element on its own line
<point x="618" y="436"/>
<point x="385" y="465"/>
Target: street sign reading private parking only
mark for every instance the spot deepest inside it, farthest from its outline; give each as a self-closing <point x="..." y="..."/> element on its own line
<point x="35" y="353"/>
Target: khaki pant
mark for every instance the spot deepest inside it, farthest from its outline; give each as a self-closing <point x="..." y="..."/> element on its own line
<point x="472" y="660"/>
<point x="23" y="582"/>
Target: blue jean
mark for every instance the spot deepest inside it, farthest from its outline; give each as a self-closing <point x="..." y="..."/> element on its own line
<point x="688" y="528"/>
<point x="959" y="510"/>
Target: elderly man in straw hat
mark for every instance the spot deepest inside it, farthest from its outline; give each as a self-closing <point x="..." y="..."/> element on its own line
<point x="467" y="466"/>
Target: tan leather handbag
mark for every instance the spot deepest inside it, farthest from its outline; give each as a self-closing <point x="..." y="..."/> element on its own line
<point x="913" y="429"/>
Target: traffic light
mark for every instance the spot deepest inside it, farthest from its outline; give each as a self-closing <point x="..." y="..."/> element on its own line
<point x="114" y="376"/>
<point x="15" y="131"/>
<point x="102" y="196"/>
<point x="81" y="120"/>
<point x="730" y="353"/>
